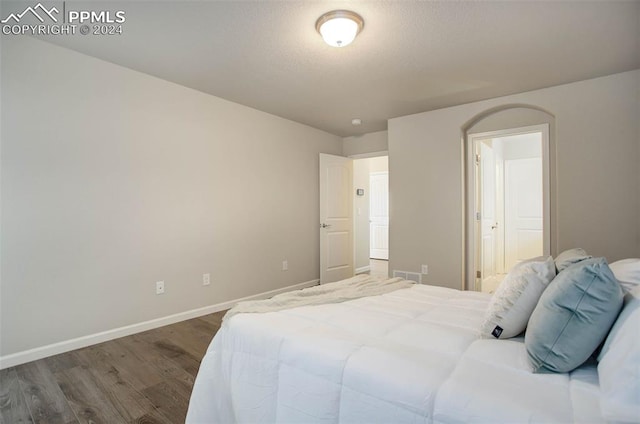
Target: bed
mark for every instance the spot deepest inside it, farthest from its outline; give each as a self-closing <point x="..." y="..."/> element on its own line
<point x="412" y="355"/>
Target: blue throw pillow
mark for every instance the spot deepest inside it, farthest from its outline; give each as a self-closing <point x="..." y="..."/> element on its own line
<point x="573" y="316"/>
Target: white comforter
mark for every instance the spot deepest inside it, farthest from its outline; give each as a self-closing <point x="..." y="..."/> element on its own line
<point x="410" y="356"/>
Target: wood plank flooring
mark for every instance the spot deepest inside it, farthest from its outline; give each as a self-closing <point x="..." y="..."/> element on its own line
<point x="145" y="378"/>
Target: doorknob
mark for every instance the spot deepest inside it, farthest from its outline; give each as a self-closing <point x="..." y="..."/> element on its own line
<point x="493" y="227"/>
<point x="323" y="225"/>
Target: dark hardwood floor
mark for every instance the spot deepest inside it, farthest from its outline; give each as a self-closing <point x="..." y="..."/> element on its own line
<point x="144" y="378"/>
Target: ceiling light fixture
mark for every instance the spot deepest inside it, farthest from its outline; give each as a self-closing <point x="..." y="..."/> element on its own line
<point x="339" y="27"/>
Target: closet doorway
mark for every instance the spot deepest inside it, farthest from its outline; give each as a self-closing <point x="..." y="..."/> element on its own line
<point x="508" y="218"/>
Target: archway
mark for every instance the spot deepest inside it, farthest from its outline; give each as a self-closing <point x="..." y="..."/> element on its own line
<point x="495" y="237"/>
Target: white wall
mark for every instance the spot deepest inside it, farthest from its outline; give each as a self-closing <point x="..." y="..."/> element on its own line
<point x="379" y="164"/>
<point x="520" y="146"/>
<point x="112" y="180"/>
<point x="367" y="143"/>
<point x="596" y="146"/>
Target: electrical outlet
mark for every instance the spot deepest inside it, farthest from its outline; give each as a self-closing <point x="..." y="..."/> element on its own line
<point x="285" y="265"/>
<point x="425" y="269"/>
<point x="206" y="279"/>
<point x="159" y="287"/>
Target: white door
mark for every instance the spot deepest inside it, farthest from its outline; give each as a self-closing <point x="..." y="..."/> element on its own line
<point x="336" y="218"/>
<point x="488" y="220"/>
<point x="523" y="210"/>
<point x="379" y="215"/>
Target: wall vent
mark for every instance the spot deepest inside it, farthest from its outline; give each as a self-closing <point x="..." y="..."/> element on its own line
<point x="400" y="274"/>
<point x="413" y="276"/>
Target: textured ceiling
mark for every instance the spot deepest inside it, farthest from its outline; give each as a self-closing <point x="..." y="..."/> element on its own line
<point x="412" y="56"/>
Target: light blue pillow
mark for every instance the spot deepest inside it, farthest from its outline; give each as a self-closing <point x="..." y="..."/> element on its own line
<point x="573" y="316"/>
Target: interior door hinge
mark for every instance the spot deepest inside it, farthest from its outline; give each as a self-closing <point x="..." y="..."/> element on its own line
<point x="477" y="159"/>
<point x="478" y="216"/>
<point x="478" y="274"/>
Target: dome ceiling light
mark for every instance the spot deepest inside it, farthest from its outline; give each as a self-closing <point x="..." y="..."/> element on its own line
<point x="339" y="27"/>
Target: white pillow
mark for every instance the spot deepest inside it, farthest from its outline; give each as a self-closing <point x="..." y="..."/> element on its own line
<point x="619" y="366"/>
<point x="516" y="298"/>
<point x="627" y="272"/>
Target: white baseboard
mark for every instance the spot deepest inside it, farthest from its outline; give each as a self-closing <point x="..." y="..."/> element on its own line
<point x="363" y="269"/>
<point x="14" y="359"/>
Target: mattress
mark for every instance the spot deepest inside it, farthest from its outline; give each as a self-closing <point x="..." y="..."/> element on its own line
<point x="410" y="356"/>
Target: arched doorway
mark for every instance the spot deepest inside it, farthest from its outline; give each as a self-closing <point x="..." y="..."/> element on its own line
<point x="508" y="207"/>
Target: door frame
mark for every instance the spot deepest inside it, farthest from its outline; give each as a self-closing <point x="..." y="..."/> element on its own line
<point x="471" y="250"/>
<point x="368" y="156"/>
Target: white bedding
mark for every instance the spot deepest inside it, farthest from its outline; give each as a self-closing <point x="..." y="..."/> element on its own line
<point x="410" y="356"/>
<point x="340" y="291"/>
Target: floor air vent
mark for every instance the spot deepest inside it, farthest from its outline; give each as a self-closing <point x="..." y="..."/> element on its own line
<point x="413" y="276"/>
